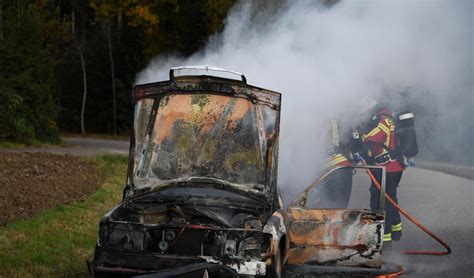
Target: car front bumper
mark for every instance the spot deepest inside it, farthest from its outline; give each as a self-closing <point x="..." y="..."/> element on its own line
<point x="152" y="265"/>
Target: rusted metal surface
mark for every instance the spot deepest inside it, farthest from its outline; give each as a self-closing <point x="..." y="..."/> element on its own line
<point x="335" y="237"/>
<point x="185" y="129"/>
<point x="196" y="84"/>
<point x="276" y="228"/>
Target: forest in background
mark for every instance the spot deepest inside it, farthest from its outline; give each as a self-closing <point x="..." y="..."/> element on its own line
<point x="70" y="65"/>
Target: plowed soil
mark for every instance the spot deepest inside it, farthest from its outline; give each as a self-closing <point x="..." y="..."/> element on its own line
<point x="32" y="182"/>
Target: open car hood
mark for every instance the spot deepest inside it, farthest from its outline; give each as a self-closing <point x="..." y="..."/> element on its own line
<point x="203" y="126"/>
<point x="252" y="191"/>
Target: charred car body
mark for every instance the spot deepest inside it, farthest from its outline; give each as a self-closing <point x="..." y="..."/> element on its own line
<point x="334" y="240"/>
<point x="201" y="193"/>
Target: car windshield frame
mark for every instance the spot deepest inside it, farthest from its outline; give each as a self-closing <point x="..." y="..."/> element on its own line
<point x="300" y="201"/>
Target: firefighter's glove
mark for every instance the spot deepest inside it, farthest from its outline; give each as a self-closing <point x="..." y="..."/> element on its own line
<point x="358" y="157"/>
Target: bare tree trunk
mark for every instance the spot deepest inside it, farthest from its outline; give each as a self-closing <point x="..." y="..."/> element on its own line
<point x="84" y="94"/>
<point x="108" y="35"/>
<point x="80" y="49"/>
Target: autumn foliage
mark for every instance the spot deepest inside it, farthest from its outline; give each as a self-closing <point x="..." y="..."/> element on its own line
<point x="63" y="62"/>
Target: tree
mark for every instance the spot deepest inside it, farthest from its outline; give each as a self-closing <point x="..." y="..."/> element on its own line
<point x="27" y="109"/>
<point x="81" y="45"/>
<point x="53" y="55"/>
<point x="105" y="25"/>
<point x="105" y="14"/>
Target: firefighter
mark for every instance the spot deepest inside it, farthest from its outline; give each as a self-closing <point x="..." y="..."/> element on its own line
<point x="379" y="142"/>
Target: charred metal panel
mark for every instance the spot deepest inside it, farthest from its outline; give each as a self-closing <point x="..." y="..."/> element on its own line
<point x="195" y="126"/>
<point x="212" y="135"/>
<point x="196" y="84"/>
<point x="276" y="228"/>
<point x="335" y="237"/>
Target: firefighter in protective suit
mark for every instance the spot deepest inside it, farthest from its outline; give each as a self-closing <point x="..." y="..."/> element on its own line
<point x="380" y="142"/>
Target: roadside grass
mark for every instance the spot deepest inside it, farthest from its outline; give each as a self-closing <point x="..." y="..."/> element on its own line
<point x="11" y="145"/>
<point x="58" y="242"/>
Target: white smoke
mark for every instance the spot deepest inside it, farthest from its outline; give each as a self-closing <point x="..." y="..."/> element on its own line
<point x="323" y="59"/>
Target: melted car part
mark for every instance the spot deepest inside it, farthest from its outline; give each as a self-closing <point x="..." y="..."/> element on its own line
<point x="335" y="237"/>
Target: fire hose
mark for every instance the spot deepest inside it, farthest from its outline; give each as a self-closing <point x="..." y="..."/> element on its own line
<point x="414" y="221"/>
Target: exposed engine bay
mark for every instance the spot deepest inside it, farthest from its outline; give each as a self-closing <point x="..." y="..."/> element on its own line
<point x="171" y="229"/>
<point x="216" y="229"/>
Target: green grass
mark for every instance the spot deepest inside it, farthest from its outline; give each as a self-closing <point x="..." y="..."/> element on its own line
<point x="58" y="242"/>
<point x="11" y="145"/>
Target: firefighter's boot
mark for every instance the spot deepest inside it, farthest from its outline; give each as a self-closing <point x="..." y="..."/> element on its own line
<point x="397" y="231"/>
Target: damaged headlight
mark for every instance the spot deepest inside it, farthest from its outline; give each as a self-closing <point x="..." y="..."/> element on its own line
<point x="250" y="247"/>
<point x="122" y="237"/>
<point x="229" y="248"/>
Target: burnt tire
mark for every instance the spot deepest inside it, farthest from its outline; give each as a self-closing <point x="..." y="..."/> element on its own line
<point x="275" y="269"/>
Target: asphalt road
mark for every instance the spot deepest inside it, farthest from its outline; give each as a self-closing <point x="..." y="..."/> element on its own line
<point x="442" y="202"/>
<point x="445" y="205"/>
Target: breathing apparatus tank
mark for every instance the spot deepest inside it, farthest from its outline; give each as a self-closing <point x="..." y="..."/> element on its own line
<point x="406" y="134"/>
<point x="335" y="140"/>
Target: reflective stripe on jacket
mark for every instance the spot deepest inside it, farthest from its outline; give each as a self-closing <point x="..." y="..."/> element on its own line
<point x="339" y="160"/>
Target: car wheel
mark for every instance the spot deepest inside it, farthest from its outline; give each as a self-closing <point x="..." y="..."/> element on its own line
<point x="275" y="268"/>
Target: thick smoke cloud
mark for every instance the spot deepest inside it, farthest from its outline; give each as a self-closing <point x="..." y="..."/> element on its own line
<point x="324" y="59"/>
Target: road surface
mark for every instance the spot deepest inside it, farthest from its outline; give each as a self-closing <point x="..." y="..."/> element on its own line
<point x="442" y="202"/>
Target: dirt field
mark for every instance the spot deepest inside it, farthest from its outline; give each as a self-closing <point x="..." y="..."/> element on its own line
<point x="31" y="182"/>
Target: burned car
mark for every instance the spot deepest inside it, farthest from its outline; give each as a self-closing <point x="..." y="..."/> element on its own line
<point x="201" y="194"/>
<point x="332" y="238"/>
